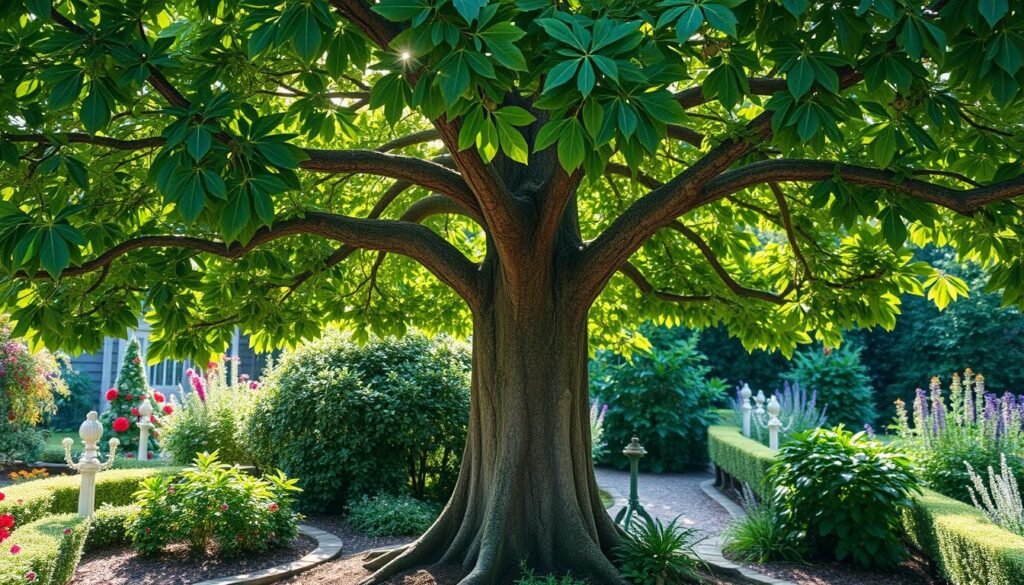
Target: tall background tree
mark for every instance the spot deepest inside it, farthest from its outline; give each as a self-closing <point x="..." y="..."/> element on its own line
<point x="506" y="168"/>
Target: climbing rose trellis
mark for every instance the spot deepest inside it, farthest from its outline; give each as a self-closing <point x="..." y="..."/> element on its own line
<point x="29" y="382"/>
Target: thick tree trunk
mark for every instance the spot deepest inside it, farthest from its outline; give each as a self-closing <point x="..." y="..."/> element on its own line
<point x="526" y="492"/>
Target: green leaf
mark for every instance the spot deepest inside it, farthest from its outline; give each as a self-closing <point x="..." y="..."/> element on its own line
<point x="198" y="142"/>
<point x="66" y="91"/>
<point x="558" y="30"/>
<point x="549" y="133"/>
<point x="585" y="78"/>
<point x="95" y="111"/>
<point x="260" y="39"/>
<point x="893" y="228"/>
<point x="800" y="77"/>
<point x="795" y="7"/>
<point x="688" y="23"/>
<point x="40" y="8"/>
<point x="191" y="198"/>
<point x="512" y="142"/>
<point x="469" y="9"/>
<point x="721" y="18"/>
<point x="235" y="216"/>
<point x="264" y="206"/>
<point x="54" y="254"/>
<point x="398" y="10"/>
<point x="307" y="35"/>
<point x="993" y="10"/>
<point x="572" y="146"/>
<point x="883" y="146"/>
<point x="515" y="116"/>
<point x="560" y="74"/>
<point x="944" y="288"/>
<point x="455" y="79"/>
<point x="508" y="55"/>
<point x="281" y="155"/>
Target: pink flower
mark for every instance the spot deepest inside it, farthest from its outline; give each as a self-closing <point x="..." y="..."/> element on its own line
<point x="31" y="575"/>
<point x="211" y="366"/>
<point x="254" y="385"/>
<point x="128" y="397"/>
<point x="273" y="507"/>
<point x="128" y="456"/>
<point x="223" y="507"/>
<point x="15" y="549"/>
<point x="149" y="455"/>
<point x="135" y="411"/>
<point x="67" y="531"/>
<point x="244" y="377"/>
<point x="136" y="360"/>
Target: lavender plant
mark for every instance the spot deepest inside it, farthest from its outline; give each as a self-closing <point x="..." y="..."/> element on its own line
<point x="973" y="426"/>
<point x="1000" y="501"/>
<point x="799" y="413"/>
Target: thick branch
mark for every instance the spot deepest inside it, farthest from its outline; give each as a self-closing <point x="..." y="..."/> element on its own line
<point x="645" y="286"/>
<point x="787" y="222"/>
<point x="694" y="96"/>
<point x="409" y="140"/>
<point x="965" y="201"/>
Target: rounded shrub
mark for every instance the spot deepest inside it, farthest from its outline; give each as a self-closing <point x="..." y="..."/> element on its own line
<point x="349" y="420"/>
<point x="663" y="397"/>
<point x="841" y="381"/>
<point x="844" y="493"/>
<point x="390" y="515"/>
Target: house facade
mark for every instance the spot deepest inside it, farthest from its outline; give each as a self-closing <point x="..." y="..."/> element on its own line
<point x="167" y="376"/>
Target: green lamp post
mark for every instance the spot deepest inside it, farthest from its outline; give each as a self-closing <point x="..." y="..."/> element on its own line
<point x="634" y="451"/>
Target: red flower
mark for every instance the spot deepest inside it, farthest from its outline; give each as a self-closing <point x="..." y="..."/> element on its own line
<point x="223" y="507"/>
<point x="67" y="531"/>
<point x="136" y="360"/>
<point x="112" y="394"/>
<point x="121" y="424"/>
<point x="152" y="418"/>
<point x="128" y="397"/>
<point x="254" y="385"/>
<point x="273" y="507"/>
<point x="135" y="411"/>
<point x="149" y="455"/>
<point x="4" y="534"/>
<point x="2" y="496"/>
<point x="6" y="521"/>
<point x="128" y="456"/>
<point x="168" y="409"/>
<point x="158" y="397"/>
<point x="15" y="549"/>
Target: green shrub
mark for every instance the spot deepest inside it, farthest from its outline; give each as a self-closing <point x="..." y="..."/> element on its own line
<point x="209" y="421"/>
<point x="81" y="398"/>
<point x="330" y="411"/>
<point x="966" y="547"/>
<point x="840" y="380"/>
<point x="388" y="515"/>
<point x="760" y="536"/>
<point x="109" y="527"/>
<point x="742" y="458"/>
<point x="50" y="551"/>
<point x="20" y="442"/>
<point x="214" y="504"/>
<point x="663" y="397"/>
<point x="845" y="493"/>
<point x="59" y="495"/>
<point x="653" y="553"/>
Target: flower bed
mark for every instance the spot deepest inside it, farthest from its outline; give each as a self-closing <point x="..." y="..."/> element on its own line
<point x="965" y="546"/>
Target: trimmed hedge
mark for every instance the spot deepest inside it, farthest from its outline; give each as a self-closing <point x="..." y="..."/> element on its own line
<point x="965" y="545"/>
<point x="109" y="527"/>
<point x="50" y="548"/>
<point x="744" y="459"/>
<point x="33" y="500"/>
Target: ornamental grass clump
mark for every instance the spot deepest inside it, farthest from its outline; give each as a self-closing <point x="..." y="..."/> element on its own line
<point x="974" y="426"/>
<point x="761" y="536"/>
<point x="843" y="493"/>
<point x="1001" y="500"/>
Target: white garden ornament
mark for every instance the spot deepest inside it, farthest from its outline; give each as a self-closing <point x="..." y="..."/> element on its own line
<point x="144" y="424"/>
<point x="768" y="418"/>
<point x="89" y="463"/>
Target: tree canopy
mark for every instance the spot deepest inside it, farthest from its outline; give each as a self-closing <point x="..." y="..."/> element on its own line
<point x="763" y="164"/>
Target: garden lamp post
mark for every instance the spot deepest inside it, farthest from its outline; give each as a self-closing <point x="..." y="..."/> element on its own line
<point x="88" y="464"/>
<point x="634" y="451"/>
<point x="745" y="405"/>
<point x="145" y="411"/>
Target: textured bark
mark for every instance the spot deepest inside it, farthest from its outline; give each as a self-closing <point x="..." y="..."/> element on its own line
<point x="526" y="492"/>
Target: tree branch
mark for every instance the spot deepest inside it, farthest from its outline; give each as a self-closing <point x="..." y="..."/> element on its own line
<point x="787" y="222"/>
<point x="645" y="286"/>
<point x="694" y="96"/>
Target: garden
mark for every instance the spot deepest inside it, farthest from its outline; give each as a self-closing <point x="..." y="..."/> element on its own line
<point x="511" y="292"/>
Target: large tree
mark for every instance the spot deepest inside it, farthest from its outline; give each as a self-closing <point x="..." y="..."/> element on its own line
<point x="515" y="169"/>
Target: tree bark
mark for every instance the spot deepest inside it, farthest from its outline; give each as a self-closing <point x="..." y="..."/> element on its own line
<point x="526" y="492"/>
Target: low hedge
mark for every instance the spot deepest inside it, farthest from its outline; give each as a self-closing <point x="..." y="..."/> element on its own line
<point x="50" y="549"/>
<point x="745" y="459"/>
<point x="33" y="500"/>
<point x="966" y="547"/>
<point x="108" y="527"/>
<point x="964" y="544"/>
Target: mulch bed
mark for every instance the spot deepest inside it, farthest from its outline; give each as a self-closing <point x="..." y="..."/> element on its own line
<point x="178" y="565"/>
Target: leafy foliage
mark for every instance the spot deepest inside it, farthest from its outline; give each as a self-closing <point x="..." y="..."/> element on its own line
<point x="529" y="578"/>
<point x="214" y="504"/>
<point x="21" y="443"/>
<point x="761" y="536"/>
<point x="390" y="515"/>
<point x="843" y="493"/>
<point x="81" y="398"/>
<point x="663" y="397"/>
<point x="839" y="380"/>
<point x="327" y="414"/>
<point x="653" y="552"/>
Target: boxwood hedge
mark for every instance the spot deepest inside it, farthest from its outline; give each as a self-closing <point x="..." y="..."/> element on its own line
<point x="49" y="551"/>
<point x="744" y="459"/>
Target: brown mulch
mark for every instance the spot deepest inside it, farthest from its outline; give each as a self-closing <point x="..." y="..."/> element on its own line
<point x="913" y="571"/>
<point x="178" y="565"/>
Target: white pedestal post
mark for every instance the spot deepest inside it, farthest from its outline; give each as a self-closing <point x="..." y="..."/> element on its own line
<point x="745" y="400"/>
<point x="774" y="423"/>
<point x="145" y="411"/>
<point x="89" y="464"/>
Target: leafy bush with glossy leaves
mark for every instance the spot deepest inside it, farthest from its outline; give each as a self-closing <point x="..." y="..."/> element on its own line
<point x="390" y="515"/>
<point x="840" y="380"/>
<point x="329" y="411"/>
<point x="663" y="397"/>
<point x="844" y="492"/>
<point x="214" y="504"/>
<point x="653" y="553"/>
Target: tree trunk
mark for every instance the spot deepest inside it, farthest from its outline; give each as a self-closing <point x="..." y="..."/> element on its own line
<point x="526" y="492"/>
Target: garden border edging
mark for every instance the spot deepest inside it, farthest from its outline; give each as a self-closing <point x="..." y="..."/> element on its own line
<point x="328" y="546"/>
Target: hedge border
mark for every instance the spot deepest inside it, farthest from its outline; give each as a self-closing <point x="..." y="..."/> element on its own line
<point x="966" y="547"/>
<point x="50" y="547"/>
<point x="744" y="459"/>
<point x="39" y="498"/>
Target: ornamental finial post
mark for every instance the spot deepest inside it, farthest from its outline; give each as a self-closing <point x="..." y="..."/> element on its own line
<point x="89" y="463"/>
